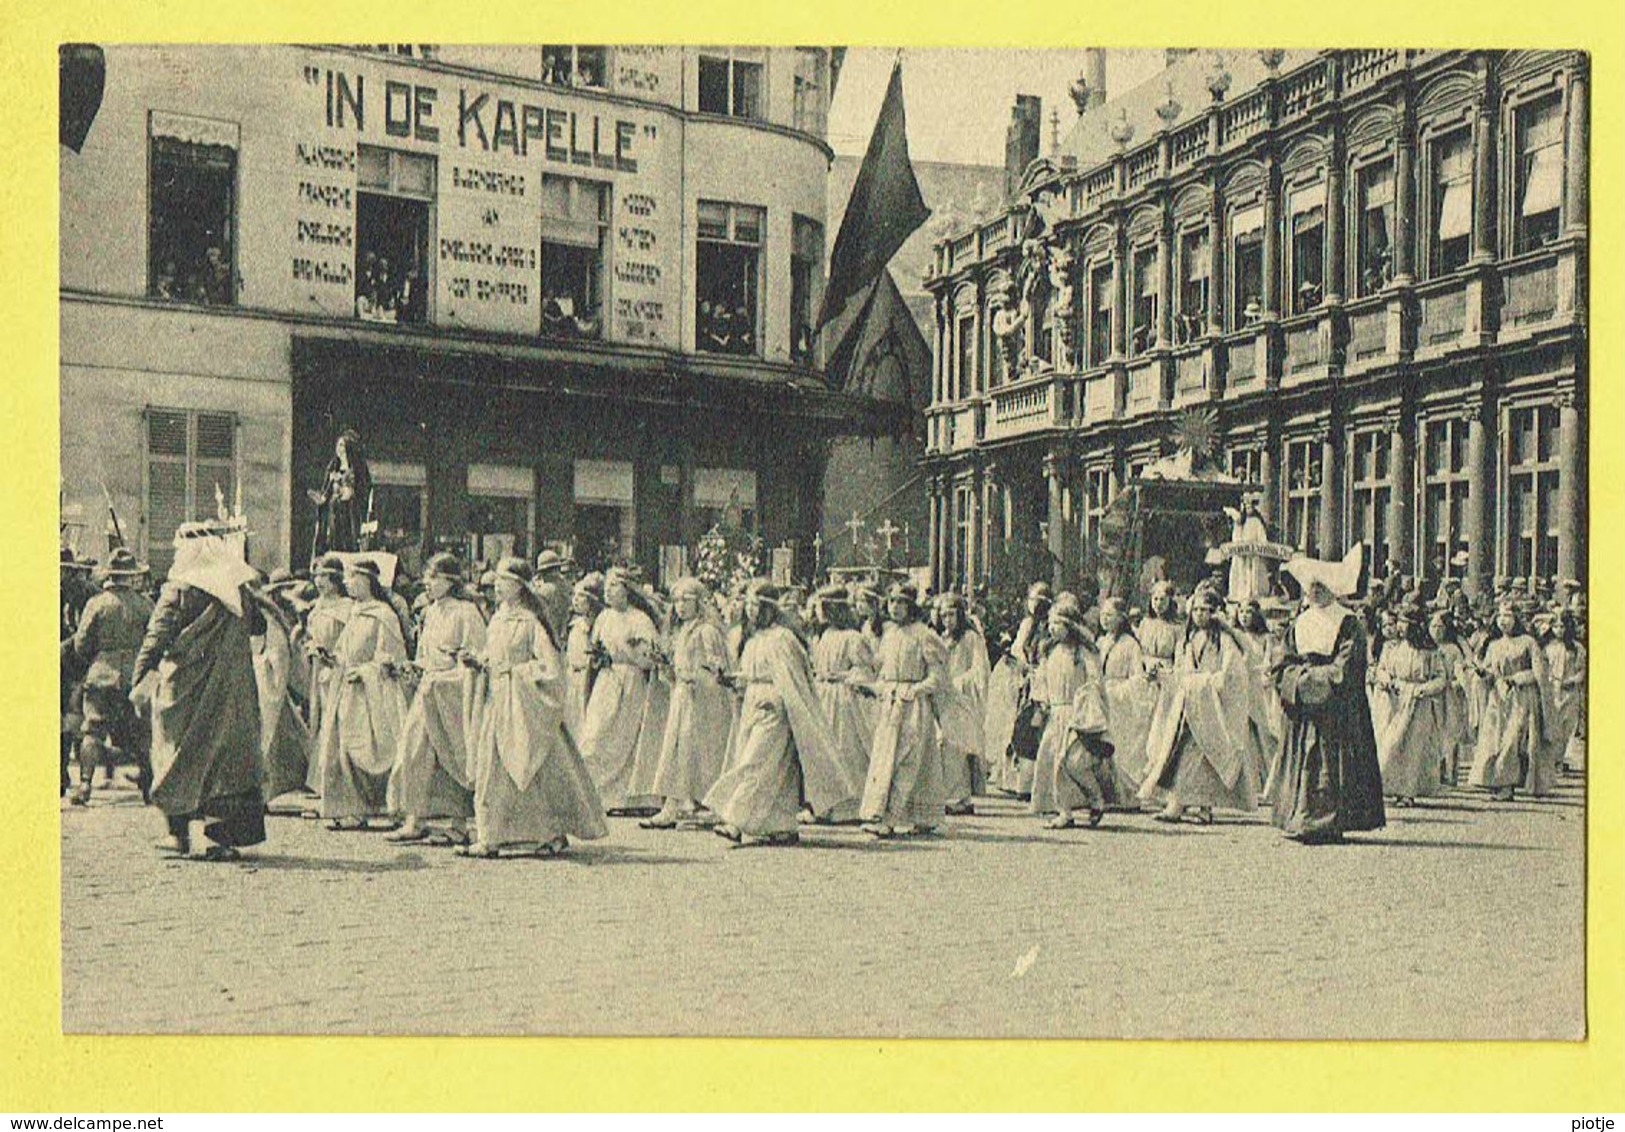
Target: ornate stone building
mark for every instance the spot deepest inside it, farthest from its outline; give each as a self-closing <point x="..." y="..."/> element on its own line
<point x="1368" y="265"/>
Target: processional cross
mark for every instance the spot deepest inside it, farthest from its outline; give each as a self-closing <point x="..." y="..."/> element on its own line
<point x="855" y="525"/>
<point x="888" y="530"/>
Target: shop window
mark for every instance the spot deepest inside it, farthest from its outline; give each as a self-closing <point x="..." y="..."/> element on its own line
<point x="1538" y="190"/>
<point x="725" y="497"/>
<point x="1305" y="472"/>
<point x="1530" y="517"/>
<point x="576" y="66"/>
<point x="1307" y="271"/>
<point x="192" y="211"/>
<point x="501" y="514"/>
<point x="1144" y="333"/>
<point x="393" y="214"/>
<point x="191" y="464"/>
<point x="1374" y="247"/>
<point x="1371" y="489"/>
<point x="806" y="264"/>
<point x="575" y="228"/>
<point x="605" y="522"/>
<point x="1247" y="270"/>
<point x="810" y="112"/>
<point x="727" y="278"/>
<point x="400" y="509"/>
<point x="1451" y="208"/>
<point x="731" y="82"/>
<point x="1195" y="261"/>
<point x="966" y="374"/>
<point x="1100" y="314"/>
<point x="1445" y="495"/>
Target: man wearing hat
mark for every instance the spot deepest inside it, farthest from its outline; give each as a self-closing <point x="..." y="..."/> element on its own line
<point x="109" y="633"/>
<point x="205" y="704"/>
<point x="550" y="588"/>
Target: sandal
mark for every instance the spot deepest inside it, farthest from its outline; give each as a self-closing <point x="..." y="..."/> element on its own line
<point x="443" y="838"/>
<point x="1095" y="816"/>
<point x="658" y="822"/>
<point x="879" y="832"/>
<point x="959" y="809"/>
<point x="1166" y="818"/>
<point x="1062" y="822"/>
<point x="749" y="841"/>
<point x="1202" y="816"/>
<point x="407" y="836"/>
<point x="480" y="850"/>
<point x="346" y="825"/>
<point x="727" y="832"/>
<point x="220" y="853"/>
<point x="554" y="848"/>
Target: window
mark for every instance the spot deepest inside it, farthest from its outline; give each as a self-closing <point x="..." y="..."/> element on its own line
<point x="1097" y="497"/>
<point x="965" y="547"/>
<point x="575" y="227"/>
<point x="1144" y="334"/>
<point x="564" y="65"/>
<point x="605" y="521"/>
<point x="501" y="517"/>
<point x="191" y="463"/>
<point x="1306" y="210"/>
<point x="1304" y="474"/>
<point x="806" y="260"/>
<point x="731" y="82"/>
<point x="1374" y="249"/>
<point x="1445" y="495"/>
<point x="809" y="111"/>
<point x="1100" y="314"/>
<point x="966" y="374"/>
<point x="725" y="495"/>
<point x="393" y="207"/>
<point x="1537" y="194"/>
<point x="1451" y="208"/>
<point x="1247" y="270"/>
<point x="1194" y="263"/>
<point x="1530" y="524"/>
<point x="400" y="507"/>
<point x="727" y="273"/>
<point x="1247" y="465"/>
<point x="1371" y="489"/>
<point x="192" y="202"/>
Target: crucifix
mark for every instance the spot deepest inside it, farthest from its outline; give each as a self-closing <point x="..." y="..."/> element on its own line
<point x="855" y="525"/>
<point x="888" y="530"/>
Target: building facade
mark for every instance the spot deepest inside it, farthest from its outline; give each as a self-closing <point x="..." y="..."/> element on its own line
<point x="563" y="293"/>
<point x="1369" y="268"/>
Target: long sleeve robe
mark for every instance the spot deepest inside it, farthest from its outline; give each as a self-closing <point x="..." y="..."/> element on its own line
<point x="612" y="726"/>
<point x="905" y="785"/>
<point x="1199" y="740"/>
<point x="961" y="709"/>
<point x="530" y="782"/>
<point x="324" y="621"/>
<point x="1412" y="740"/>
<point x="1566" y="693"/>
<point x="843" y="668"/>
<point x="1511" y="745"/>
<point x="1067" y="685"/>
<point x="1130" y="699"/>
<point x="361" y="720"/>
<point x="284" y="736"/>
<point x="700" y="718"/>
<point x="432" y="775"/>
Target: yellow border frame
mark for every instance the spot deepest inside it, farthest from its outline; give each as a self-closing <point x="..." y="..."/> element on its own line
<point x="40" y="1069"/>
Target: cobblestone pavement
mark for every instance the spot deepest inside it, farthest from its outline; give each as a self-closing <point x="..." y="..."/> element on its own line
<point x="1464" y="918"/>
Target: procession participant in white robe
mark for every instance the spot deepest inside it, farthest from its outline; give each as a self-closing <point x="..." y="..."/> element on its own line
<point x="432" y="778"/>
<point x="1511" y="747"/>
<point x="695" y="744"/>
<point x="1012" y="736"/>
<point x="284" y="737"/>
<point x="1249" y="577"/>
<point x="623" y="636"/>
<point x="781" y="731"/>
<point x="1129" y="696"/>
<point x="641" y="789"/>
<point x="904" y="792"/>
<point x="1264" y="706"/>
<point x="1458" y="743"/>
<point x="324" y="621"/>
<point x="362" y="715"/>
<point x="1382" y="700"/>
<point x="962" y="705"/>
<point x="1160" y="631"/>
<point x="1073" y="768"/>
<point x="870" y="612"/>
<point x="843" y="672"/>
<point x="1199" y="734"/>
<point x="1411" y="743"/>
<point x="532" y="791"/>
<point x="1566" y="684"/>
<point x="586" y="600"/>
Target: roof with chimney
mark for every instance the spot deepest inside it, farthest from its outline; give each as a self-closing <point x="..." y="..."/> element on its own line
<point x="1090" y="139"/>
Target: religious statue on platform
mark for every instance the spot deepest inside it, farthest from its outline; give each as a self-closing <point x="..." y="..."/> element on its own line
<point x="344" y="503"/>
<point x="1249" y="566"/>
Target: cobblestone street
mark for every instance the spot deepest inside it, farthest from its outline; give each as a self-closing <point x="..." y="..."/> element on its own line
<point x="998" y="928"/>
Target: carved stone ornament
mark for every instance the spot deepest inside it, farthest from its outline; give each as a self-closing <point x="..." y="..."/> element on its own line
<point x="1218" y="77"/>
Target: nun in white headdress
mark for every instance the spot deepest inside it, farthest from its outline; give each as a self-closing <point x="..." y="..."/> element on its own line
<point x="1328" y="781"/>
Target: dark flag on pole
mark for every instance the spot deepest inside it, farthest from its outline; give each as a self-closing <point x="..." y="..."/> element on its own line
<point x="82" y="72"/>
<point x="880" y="352"/>
<point x="884" y="210"/>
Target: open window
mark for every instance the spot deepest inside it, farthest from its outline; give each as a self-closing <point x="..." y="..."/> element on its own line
<point x="394" y="208"/>
<point x="1247" y="266"/>
<point x="1452" y="204"/>
<point x="192" y="210"/>
<point x="731" y="81"/>
<point x="727" y="269"/>
<point x="1307" y="210"/>
<point x="810" y="112"/>
<point x="575" y="226"/>
<point x="575" y="66"/>
<point x="1195" y="257"/>
<point x="1537" y="196"/>
<point x="1374" y="247"/>
<point x="1143" y="334"/>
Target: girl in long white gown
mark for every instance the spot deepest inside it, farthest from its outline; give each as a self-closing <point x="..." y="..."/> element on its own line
<point x="624" y="637"/>
<point x="700" y="717"/>
<point x="531" y="787"/>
